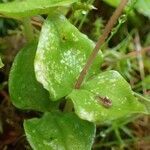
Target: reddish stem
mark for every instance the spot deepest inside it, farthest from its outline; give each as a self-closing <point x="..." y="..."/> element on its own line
<point x="112" y="21"/>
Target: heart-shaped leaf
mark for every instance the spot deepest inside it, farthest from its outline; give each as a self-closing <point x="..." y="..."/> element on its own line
<point x="56" y="131"/>
<point x="61" y="54"/>
<point x="27" y="8"/>
<point x="106" y="97"/>
<point x="1" y="64"/>
<point x="25" y="91"/>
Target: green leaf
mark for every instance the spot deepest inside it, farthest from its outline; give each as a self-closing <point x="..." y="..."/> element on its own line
<point x="56" y="131"/>
<point x="1" y="63"/>
<point x="105" y="98"/>
<point x="27" y="8"/>
<point x="25" y="91"/>
<point x="62" y="52"/>
<point x="143" y="7"/>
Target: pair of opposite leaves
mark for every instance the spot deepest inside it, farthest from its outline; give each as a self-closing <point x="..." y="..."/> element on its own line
<point x="60" y="56"/>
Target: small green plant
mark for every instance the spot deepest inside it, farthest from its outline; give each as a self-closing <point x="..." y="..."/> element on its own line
<point x="51" y="69"/>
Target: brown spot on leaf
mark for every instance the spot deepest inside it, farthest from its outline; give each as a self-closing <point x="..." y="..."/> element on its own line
<point x="104" y="101"/>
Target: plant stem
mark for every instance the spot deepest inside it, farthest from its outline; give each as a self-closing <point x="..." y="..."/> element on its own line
<point x="83" y="19"/>
<point x="134" y="53"/>
<point x="138" y="48"/>
<point x="141" y="97"/>
<point x="68" y="106"/>
<point x="126" y="141"/>
<point x="112" y="21"/>
<point x="28" y="30"/>
<point x="118" y="136"/>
